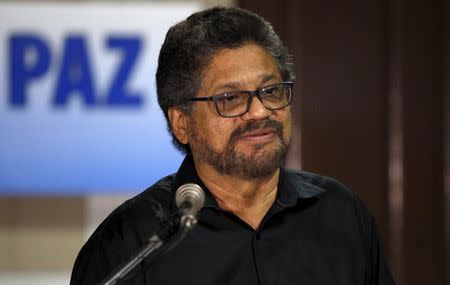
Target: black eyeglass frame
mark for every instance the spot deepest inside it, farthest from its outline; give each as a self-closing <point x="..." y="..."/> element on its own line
<point x="252" y="94"/>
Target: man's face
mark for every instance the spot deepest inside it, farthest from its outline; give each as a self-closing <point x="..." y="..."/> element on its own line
<point x="250" y="146"/>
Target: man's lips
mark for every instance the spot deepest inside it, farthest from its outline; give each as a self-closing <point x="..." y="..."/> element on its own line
<point x="259" y="136"/>
<point x="258" y="132"/>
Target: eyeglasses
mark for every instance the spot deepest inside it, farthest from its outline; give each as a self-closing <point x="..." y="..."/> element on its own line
<point x="237" y="103"/>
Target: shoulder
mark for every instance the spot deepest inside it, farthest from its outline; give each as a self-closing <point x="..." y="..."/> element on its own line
<point x="149" y="207"/>
<point x="336" y="203"/>
<point x="326" y="186"/>
<point x="126" y="229"/>
<point x="332" y="193"/>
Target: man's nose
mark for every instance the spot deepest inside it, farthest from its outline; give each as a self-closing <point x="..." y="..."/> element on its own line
<point x="257" y="111"/>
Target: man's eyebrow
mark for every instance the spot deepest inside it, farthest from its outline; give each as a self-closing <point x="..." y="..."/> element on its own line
<point x="268" y="77"/>
<point x="228" y="85"/>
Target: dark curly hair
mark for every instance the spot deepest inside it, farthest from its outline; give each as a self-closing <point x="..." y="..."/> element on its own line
<point x="190" y="45"/>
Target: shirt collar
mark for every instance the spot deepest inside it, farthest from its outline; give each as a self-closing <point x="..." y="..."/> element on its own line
<point x="291" y="185"/>
<point x="188" y="174"/>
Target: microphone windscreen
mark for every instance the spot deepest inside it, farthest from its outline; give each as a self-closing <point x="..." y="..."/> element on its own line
<point x="191" y="193"/>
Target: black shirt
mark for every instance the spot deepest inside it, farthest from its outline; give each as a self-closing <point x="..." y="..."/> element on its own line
<point x="316" y="232"/>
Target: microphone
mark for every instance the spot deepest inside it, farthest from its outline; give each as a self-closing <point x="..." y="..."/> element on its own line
<point x="189" y="199"/>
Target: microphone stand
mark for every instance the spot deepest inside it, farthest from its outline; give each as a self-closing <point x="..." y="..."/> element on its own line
<point x="154" y="243"/>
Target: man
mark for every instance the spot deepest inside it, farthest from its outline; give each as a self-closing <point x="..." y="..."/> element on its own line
<point x="224" y="83"/>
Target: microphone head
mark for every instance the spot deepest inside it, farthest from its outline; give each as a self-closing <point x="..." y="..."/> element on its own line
<point x="190" y="193"/>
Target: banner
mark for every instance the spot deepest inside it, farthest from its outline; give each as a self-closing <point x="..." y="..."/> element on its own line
<point x="78" y="106"/>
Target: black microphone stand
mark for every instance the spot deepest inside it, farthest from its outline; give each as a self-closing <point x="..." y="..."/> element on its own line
<point x="154" y="243"/>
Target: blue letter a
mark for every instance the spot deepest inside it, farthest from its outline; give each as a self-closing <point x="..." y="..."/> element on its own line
<point x="75" y="76"/>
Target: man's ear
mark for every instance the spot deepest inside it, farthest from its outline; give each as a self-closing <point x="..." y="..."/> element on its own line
<point x="179" y="124"/>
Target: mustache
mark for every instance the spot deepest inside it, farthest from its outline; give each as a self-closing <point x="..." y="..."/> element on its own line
<point x="257" y="125"/>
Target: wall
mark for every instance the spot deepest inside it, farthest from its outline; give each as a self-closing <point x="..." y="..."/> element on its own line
<point x="372" y="104"/>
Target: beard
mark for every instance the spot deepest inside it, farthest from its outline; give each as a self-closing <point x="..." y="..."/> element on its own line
<point x="257" y="164"/>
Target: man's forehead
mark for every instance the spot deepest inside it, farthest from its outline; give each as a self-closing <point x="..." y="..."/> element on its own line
<point x="235" y="68"/>
<point x="262" y="78"/>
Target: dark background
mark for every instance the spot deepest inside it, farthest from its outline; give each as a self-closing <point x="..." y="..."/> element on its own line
<point x="372" y="109"/>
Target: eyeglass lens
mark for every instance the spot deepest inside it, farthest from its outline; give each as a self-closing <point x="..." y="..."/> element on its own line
<point x="237" y="103"/>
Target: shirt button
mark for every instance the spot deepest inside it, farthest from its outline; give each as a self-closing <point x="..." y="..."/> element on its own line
<point x="258" y="236"/>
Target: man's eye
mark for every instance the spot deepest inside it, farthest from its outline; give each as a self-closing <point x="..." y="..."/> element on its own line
<point x="270" y="90"/>
<point x="229" y="97"/>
